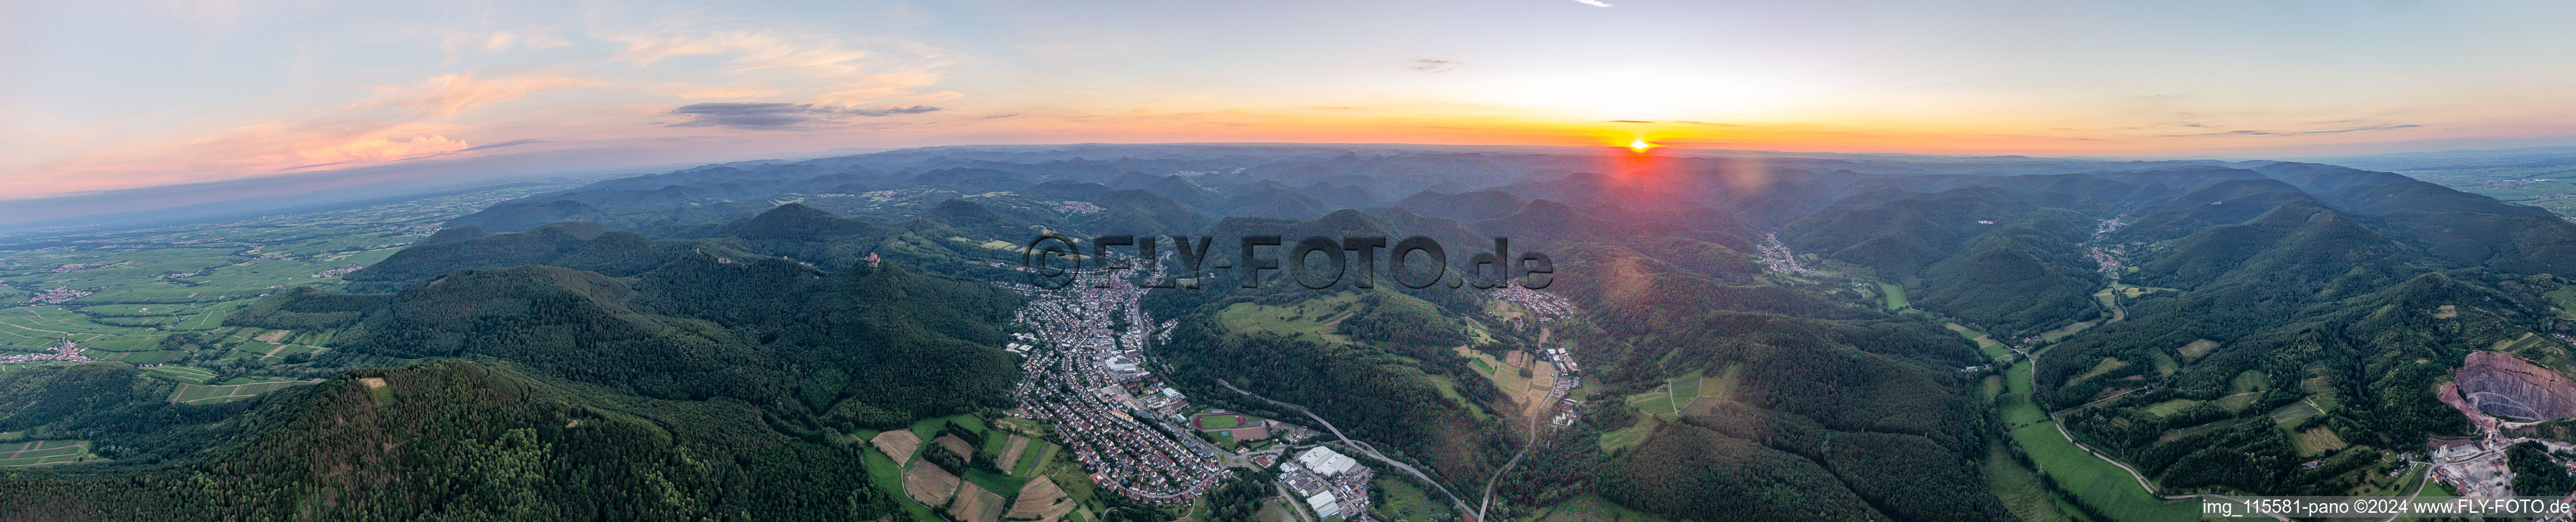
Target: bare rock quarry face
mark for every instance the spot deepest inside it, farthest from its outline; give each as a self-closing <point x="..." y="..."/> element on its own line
<point x="2507" y="386"/>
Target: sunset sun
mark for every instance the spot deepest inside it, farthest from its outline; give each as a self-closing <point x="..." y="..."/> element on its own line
<point x="1639" y="145"/>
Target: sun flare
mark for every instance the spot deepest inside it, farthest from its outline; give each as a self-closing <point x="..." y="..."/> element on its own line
<point x="1639" y="145"/>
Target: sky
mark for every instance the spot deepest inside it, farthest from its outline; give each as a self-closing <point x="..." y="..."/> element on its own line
<point x="107" y="94"/>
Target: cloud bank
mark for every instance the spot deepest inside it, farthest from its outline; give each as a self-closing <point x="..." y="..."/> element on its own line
<point x="772" y="115"/>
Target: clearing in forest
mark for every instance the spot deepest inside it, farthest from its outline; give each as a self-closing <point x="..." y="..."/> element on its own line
<point x="2316" y="441"/>
<point x="2196" y="348"/>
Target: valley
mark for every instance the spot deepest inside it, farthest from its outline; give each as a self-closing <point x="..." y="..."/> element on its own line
<point x="2107" y="344"/>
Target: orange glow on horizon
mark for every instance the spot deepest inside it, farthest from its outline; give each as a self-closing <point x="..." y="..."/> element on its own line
<point x="1640" y="145"/>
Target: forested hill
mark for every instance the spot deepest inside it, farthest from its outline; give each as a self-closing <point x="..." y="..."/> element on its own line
<point x="1766" y="337"/>
<point x="457" y="440"/>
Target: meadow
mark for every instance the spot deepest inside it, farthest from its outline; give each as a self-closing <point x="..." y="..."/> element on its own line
<point x="1311" y="319"/>
<point x="2096" y="481"/>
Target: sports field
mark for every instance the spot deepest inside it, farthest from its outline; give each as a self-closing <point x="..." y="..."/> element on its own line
<point x="1220" y="421"/>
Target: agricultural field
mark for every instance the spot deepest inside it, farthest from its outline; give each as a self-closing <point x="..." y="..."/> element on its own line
<point x="1895" y="296"/>
<point x="1679" y="393"/>
<point x="2052" y="336"/>
<point x="1531" y="391"/>
<point x="2292" y="414"/>
<point x="2316" y="441"/>
<point x="219" y="394"/>
<point x="2545" y="187"/>
<point x="44" y="452"/>
<point x="2168" y="408"/>
<point x="1985" y="343"/>
<point x="2020" y="489"/>
<point x="157" y="297"/>
<point x="2096" y="481"/>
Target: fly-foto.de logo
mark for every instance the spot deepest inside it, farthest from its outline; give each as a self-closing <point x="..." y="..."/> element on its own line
<point x="1317" y="262"/>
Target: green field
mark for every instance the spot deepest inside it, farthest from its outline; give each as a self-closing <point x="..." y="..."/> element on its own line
<point x="182" y="374"/>
<point x="888" y="477"/>
<point x="2321" y="391"/>
<point x="2015" y="403"/>
<point x="1037" y="453"/>
<point x="1895" y="296"/>
<point x="2512" y="185"/>
<point x="1685" y="389"/>
<point x="1410" y="502"/>
<point x="2247" y="381"/>
<point x="1220" y="422"/>
<point x="2168" y="408"/>
<point x="43" y="452"/>
<point x="2020" y="489"/>
<point x="1592" y="508"/>
<point x="1993" y="350"/>
<point x="219" y="394"/>
<point x="1629" y="436"/>
<point x="1304" y="319"/>
<point x="145" y="286"/>
<point x="2062" y="332"/>
<point x="2291" y="415"/>
<point x="2098" y="482"/>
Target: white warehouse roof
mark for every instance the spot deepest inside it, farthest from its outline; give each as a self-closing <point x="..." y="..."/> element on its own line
<point x="1325" y="461"/>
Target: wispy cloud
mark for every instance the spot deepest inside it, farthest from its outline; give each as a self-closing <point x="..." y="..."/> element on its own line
<point x="447" y="94"/>
<point x="1594" y="3"/>
<point x="776" y="115"/>
<point x="2295" y="133"/>
<point x="822" y="69"/>
<point x="1430" y="65"/>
